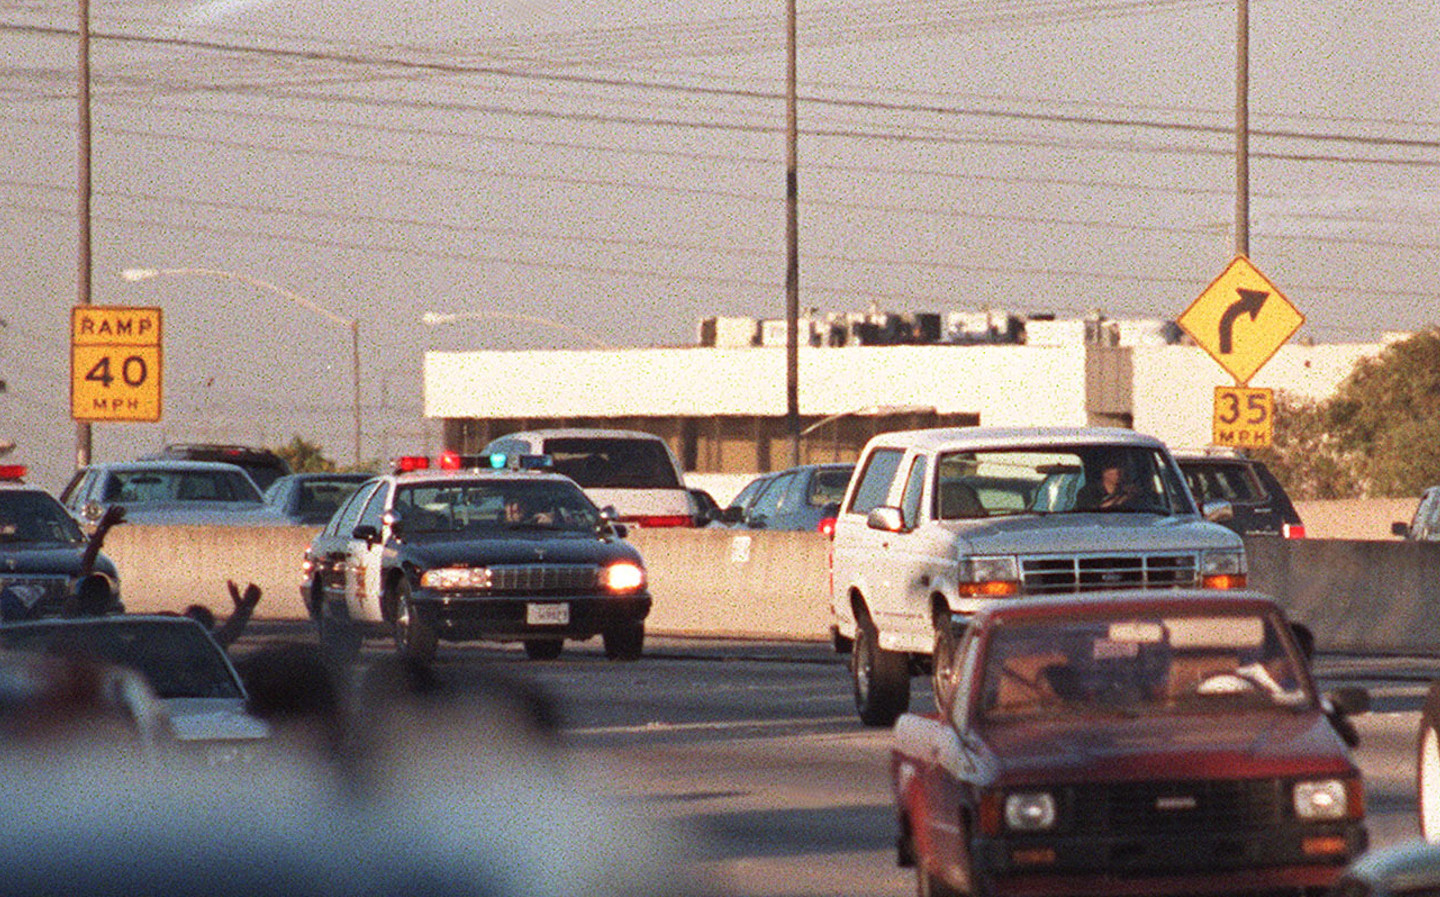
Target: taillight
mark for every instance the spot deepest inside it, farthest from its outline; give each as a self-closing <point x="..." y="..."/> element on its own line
<point x="660" y="520"/>
<point x="1293" y="530"/>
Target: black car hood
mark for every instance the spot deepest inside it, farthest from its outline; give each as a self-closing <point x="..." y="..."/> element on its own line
<point x="48" y="558"/>
<point x="515" y="547"/>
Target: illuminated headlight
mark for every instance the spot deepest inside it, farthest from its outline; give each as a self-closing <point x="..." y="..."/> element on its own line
<point x="456" y="578"/>
<point x="622" y="577"/>
<point x="988" y="576"/>
<point x="1321" y="800"/>
<point x="1223" y="569"/>
<point x="1031" y="811"/>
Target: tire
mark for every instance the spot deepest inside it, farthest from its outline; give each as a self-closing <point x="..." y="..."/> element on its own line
<point x="942" y="658"/>
<point x="543" y="648"/>
<point x="1427" y="766"/>
<point x="624" y="641"/>
<point x="413" y="639"/>
<point x="881" y="678"/>
<point x="927" y="885"/>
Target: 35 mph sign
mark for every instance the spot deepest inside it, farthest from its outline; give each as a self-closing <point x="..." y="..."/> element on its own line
<point x="115" y="363"/>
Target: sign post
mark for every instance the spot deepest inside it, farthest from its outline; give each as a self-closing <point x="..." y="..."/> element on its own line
<point x="115" y="363"/>
<point x="1242" y="320"/>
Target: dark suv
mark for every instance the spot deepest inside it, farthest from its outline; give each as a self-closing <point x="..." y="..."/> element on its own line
<point x="1259" y="501"/>
<point x="263" y="465"/>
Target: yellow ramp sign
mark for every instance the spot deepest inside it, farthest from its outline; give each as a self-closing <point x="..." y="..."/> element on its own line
<point x="1244" y="417"/>
<point x="1241" y="319"/>
<point x="115" y="363"/>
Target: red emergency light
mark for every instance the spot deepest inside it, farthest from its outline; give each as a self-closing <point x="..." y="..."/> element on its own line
<point x="13" y="471"/>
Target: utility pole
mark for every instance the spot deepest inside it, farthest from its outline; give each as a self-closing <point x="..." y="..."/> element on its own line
<point x="792" y="244"/>
<point x="83" y="266"/>
<point x="1242" y="128"/>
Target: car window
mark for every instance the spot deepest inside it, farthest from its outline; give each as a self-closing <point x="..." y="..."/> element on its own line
<point x="615" y="463"/>
<point x="476" y="506"/>
<point x="1016" y="481"/>
<point x="827" y="486"/>
<point x="771" y="497"/>
<point x="1223" y="482"/>
<point x="347" y="518"/>
<point x="875" y="480"/>
<point x="746" y="496"/>
<point x="914" y="489"/>
<point x="322" y="498"/>
<point x="34" y="517"/>
<point x="374" y="508"/>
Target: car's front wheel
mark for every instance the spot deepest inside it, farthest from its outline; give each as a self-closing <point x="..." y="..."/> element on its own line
<point x="881" y="678"/>
<point x="942" y="658"/>
<point x="624" y="641"/>
<point x="413" y="638"/>
<point x="1427" y="766"/>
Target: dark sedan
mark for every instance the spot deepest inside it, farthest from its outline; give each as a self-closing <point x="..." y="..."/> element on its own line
<point x="48" y="566"/>
<point x="500" y="555"/>
<point x="310" y="499"/>
<point x="800" y="498"/>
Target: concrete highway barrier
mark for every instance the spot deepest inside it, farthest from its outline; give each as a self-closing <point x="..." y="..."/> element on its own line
<point x="1356" y="595"/>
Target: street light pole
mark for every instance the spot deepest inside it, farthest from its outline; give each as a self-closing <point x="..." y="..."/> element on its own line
<point x="83" y="431"/>
<point x="137" y="274"/>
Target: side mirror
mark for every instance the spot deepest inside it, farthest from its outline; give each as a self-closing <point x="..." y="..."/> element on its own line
<point x="1305" y="639"/>
<point x="1217" y="511"/>
<point x="608" y="524"/>
<point x="756" y="521"/>
<point x="732" y="515"/>
<point x="1400" y="528"/>
<point x="369" y="534"/>
<point x="891" y="520"/>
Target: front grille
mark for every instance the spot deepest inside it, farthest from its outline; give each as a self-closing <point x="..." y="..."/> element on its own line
<point x="1091" y="572"/>
<point x="1151" y="808"/>
<point x="550" y="579"/>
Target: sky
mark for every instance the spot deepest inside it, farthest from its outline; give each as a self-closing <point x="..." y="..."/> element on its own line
<point x="563" y="175"/>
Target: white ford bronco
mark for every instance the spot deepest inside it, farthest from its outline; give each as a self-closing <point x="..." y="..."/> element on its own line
<point x="936" y="522"/>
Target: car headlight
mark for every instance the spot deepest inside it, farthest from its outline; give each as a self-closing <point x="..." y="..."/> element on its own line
<point x="1320" y="800"/>
<point x="622" y="577"/>
<point x="1030" y="811"/>
<point x="456" y="578"/>
<point x="988" y="576"/>
<point x="1223" y="569"/>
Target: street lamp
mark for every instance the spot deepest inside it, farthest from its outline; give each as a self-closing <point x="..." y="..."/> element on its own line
<point x="431" y="319"/>
<point x="136" y="274"/>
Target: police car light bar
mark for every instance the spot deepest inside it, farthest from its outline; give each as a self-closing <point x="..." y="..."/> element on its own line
<point x="13" y="471"/>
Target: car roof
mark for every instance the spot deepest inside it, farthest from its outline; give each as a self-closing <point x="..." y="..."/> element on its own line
<point x="167" y="464"/>
<point x="1108" y="603"/>
<point x="477" y="473"/>
<point x="578" y="433"/>
<point x="1013" y="437"/>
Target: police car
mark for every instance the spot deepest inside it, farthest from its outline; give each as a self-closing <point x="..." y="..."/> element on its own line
<point x="48" y="565"/>
<point x="505" y="552"/>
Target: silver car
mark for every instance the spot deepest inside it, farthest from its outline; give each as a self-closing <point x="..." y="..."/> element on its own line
<point x="169" y="492"/>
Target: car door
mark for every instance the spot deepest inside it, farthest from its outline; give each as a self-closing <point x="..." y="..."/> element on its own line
<point x="859" y="552"/>
<point x="364" y="582"/>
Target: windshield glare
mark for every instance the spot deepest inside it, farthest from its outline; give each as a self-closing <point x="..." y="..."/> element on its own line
<point x="1089" y="479"/>
<point x="498" y="505"/>
<point x="1140" y="666"/>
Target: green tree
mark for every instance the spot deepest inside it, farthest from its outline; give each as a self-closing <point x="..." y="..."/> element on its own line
<point x="1379" y="435"/>
<point x="305" y="457"/>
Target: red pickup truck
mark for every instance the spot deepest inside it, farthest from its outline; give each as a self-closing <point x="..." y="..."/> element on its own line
<point x="1129" y="743"/>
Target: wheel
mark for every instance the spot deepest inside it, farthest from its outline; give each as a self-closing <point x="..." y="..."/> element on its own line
<point x="413" y="639"/>
<point x="624" y="641"/>
<point x="881" y="678"/>
<point x="942" y="658"/>
<point x="1427" y="766"/>
<point x="927" y="885"/>
<point x="543" y="648"/>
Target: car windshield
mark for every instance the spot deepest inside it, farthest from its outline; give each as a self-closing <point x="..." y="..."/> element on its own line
<point x="177" y="657"/>
<point x="494" y="505"/>
<point x="1085" y="479"/>
<point x="614" y="463"/>
<point x="151" y="485"/>
<point x="28" y="517"/>
<point x="316" y="499"/>
<point x="1145" y="665"/>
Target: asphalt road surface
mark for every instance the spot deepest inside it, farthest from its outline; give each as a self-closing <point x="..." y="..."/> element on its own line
<point x="753" y="749"/>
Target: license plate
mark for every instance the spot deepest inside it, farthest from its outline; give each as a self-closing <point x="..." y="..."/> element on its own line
<point x="547" y="614"/>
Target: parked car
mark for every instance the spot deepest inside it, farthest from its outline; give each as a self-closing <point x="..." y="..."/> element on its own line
<point x="48" y="565"/>
<point x="1130" y="743"/>
<point x="1424" y="525"/>
<point x="635" y="473"/>
<point x="1259" y="502"/>
<point x="190" y="673"/>
<point x="462" y="555"/>
<point x="799" y="498"/>
<point x="938" y="523"/>
<point x="310" y="499"/>
<point x="263" y="465"/>
<point x="168" y="492"/>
